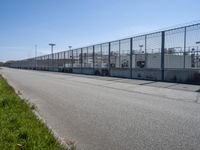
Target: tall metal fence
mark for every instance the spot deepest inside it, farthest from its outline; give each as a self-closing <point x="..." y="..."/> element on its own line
<point x="170" y="55"/>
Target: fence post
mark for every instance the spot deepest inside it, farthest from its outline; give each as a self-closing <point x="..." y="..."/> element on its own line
<point x="52" y="62"/>
<point x="184" y="53"/>
<point x="72" y="59"/>
<point x="101" y="57"/>
<point x="109" y="67"/>
<point x="162" y="55"/>
<point x="93" y="56"/>
<point x="64" y="61"/>
<point x="58" y="61"/>
<point x="81" y="60"/>
<point x="119" y="54"/>
<point x="35" y="63"/>
<point x="145" y="51"/>
<point x="131" y="53"/>
<point x="48" y="62"/>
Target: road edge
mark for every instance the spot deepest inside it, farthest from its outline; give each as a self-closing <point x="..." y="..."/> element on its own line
<point x="68" y="144"/>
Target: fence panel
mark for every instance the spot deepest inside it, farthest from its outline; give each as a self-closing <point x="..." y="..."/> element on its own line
<point x="77" y="58"/>
<point x="105" y="55"/>
<point x="98" y="56"/>
<point x="115" y="54"/>
<point x="174" y="49"/>
<point x="153" y="50"/>
<point x="193" y="46"/>
<point x="138" y="52"/>
<point x="124" y="60"/>
<point x="87" y="54"/>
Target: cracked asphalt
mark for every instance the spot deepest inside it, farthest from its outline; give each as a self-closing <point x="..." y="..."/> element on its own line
<point x="103" y="113"/>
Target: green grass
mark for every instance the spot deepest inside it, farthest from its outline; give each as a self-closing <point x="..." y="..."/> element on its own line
<point x="19" y="127"/>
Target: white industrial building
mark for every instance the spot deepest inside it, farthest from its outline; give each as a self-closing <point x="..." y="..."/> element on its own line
<point x="154" y="61"/>
<point x="138" y="61"/>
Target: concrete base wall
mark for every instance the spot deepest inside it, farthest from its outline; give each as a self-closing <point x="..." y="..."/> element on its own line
<point x="89" y="71"/>
<point x="182" y="75"/>
<point x="170" y="75"/>
<point x="76" y="70"/>
<point x="118" y="72"/>
<point x="53" y="69"/>
<point x="146" y="74"/>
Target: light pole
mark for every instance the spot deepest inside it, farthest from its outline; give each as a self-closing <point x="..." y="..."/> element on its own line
<point x="70" y="47"/>
<point x="52" y="45"/>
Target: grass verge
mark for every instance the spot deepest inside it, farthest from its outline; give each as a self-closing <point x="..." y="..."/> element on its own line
<point x="20" y="129"/>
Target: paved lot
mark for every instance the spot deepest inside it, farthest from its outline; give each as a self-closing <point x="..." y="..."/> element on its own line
<point x="102" y="113"/>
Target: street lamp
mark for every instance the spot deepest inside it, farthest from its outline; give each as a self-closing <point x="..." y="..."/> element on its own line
<point x="52" y="45"/>
<point x="70" y="47"/>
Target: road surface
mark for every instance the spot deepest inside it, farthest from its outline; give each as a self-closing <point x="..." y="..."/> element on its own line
<point x="102" y="113"/>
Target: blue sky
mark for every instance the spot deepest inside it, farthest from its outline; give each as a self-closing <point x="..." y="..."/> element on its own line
<point x="24" y="23"/>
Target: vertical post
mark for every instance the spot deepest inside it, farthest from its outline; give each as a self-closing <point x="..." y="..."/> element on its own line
<point x="64" y="61"/>
<point x="162" y="54"/>
<point x="184" y="53"/>
<point x="87" y="56"/>
<point x="58" y="61"/>
<point x="48" y="62"/>
<point x="35" y="57"/>
<point x="72" y="59"/>
<point x="93" y="56"/>
<point x="52" y="45"/>
<point x="145" y="51"/>
<point x="52" y="60"/>
<point x="131" y="53"/>
<point x="109" y="66"/>
<point x="119" y="54"/>
<point x="81" y="60"/>
<point x="101" y="56"/>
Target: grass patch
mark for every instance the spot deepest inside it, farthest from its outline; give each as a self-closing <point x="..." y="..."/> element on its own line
<point x="19" y="127"/>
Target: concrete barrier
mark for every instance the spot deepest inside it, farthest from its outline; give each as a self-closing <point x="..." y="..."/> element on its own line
<point x="147" y="74"/>
<point x="120" y="72"/>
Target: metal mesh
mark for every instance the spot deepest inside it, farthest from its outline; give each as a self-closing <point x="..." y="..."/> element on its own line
<point x="193" y="45"/>
<point x="85" y="57"/>
<point x="115" y="55"/>
<point x="124" y="59"/>
<point x="138" y="52"/>
<point x="153" y="50"/>
<point x="77" y="58"/>
<point x="177" y="48"/>
<point x="174" y="49"/>
<point x="98" y="56"/>
<point x="105" y="55"/>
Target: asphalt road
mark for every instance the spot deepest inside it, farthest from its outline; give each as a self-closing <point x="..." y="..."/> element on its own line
<point x="113" y="114"/>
